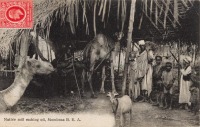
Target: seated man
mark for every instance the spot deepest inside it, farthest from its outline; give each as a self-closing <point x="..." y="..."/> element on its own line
<point x="168" y="80"/>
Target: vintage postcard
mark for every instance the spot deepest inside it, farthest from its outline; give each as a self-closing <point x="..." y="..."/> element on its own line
<point x="99" y="63"/>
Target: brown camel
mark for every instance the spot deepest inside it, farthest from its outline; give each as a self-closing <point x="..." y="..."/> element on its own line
<point x="101" y="48"/>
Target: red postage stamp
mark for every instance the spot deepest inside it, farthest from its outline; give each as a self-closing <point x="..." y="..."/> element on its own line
<point x="16" y="14"/>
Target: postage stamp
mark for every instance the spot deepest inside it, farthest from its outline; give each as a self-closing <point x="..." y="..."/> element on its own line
<point x="16" y="14"/>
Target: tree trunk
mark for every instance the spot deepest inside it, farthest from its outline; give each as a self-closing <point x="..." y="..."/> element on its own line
<point x="129" y="38"/>
<point x="24" y="47"/>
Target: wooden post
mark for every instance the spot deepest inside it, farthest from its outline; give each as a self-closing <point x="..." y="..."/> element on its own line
<point x="119" y="60"/>
<point x="178" y="63"/>
<point x="129" y="40"/>
<point x="194" y="55"/>
<point x="24" y="47"/>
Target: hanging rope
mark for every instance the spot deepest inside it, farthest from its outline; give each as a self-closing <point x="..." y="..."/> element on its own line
<point x="79" y="92"/>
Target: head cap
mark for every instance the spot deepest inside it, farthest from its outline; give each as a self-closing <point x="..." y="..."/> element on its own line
<point x="158" y="58"/>
<point x="187" y="59"/>
<point x="141" y="42"/>
<point x="168" y="64"/>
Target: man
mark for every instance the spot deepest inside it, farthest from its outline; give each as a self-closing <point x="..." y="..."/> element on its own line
<point x="144" y="70"/>
<point x="157" y="84"/>
<point x="185" y="83"/>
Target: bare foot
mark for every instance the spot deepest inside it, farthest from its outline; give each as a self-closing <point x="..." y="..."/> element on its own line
<point x="93" y="96"/>
<point x="102" y="91"/>
<point x="160" y="106"/>
<point x="156" y="104"/>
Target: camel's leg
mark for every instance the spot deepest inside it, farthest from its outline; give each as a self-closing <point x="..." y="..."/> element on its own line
<point x="89" y="76"/>
<point x="112" y="74"/>
<point x="83" y="82"/>
<point x="102" y="90"/>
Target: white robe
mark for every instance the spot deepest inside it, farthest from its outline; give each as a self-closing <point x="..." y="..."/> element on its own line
<point x="147" y="80"/>
<point x="133" y="85"/>
<point x="184" y="96"/>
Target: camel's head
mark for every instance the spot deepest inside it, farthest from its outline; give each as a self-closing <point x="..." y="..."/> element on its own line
<point x="39" y="67"/>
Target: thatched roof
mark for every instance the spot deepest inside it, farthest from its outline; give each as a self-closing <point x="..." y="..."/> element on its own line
<point x="43" y="11"/>
<point x="75" y="11"/>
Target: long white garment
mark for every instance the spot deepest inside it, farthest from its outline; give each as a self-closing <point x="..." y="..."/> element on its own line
<point x="134" y="85"/>
<point x="149" y="79"/>
<point x="184" y="96"/>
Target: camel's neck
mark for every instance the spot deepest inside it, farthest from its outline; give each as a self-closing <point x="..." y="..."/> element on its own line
<point x="12" y="94"/>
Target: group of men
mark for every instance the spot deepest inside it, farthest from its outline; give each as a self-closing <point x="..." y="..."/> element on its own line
<point x="149" y="73"/>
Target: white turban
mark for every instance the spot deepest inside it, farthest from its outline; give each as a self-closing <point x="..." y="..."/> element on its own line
<point x="187" y="59"/>
<point x="141" y="42"/>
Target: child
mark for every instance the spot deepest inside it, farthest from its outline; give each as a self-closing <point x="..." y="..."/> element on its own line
<point x="168" y="81"/>
<point x="194" y="90"/>
<point x="157" y="82"/>
<point x="194" y="99"/>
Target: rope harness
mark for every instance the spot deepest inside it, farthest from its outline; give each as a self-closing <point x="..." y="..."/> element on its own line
<point x="115" y="110"/>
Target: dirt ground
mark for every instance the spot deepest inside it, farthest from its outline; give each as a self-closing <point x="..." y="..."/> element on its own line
<point x="144" y="114"/>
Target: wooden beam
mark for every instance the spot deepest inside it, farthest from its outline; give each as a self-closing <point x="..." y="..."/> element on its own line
<point x="185" y="4"/>
<point x="169" y="11"/>
<point x="152" y="22"/>
<point x="179" y="63"/>
<point x="157" y="19"/>
<point x="175" y="12"/>
<point x="166" y="13"/>
<point x="190" y="1"/>
<point x="129" y="40"/>
<point x="24" y="47"/>
<point x="151" y="6"/>
<point x="156" y="14"/>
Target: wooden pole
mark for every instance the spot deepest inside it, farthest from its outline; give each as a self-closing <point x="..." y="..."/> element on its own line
<point x="178" y="63"/>
<point x="24" y="47"/>
<point x="119" y="60"/>
<point x="129" y="40"/>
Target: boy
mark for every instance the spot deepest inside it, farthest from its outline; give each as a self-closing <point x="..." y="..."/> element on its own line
<point x="157" y="82"/>
<point x="168" y="81"/>
<point x="194" y="89"/>
<point x="194" y="99"/>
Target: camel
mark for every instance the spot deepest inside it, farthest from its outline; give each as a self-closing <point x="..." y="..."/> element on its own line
<point x="10" y="96"/>
<point x="100" y="49"/>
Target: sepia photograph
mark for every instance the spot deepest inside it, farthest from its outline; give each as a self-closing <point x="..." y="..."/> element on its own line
<point x="99" y="63"/>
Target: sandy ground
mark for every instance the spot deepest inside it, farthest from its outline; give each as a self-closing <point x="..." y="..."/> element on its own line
<point x="144" y="114"/>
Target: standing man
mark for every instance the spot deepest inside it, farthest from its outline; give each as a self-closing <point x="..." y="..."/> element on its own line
<point x="144" y="66"/>
<point x="185" y="83"/>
